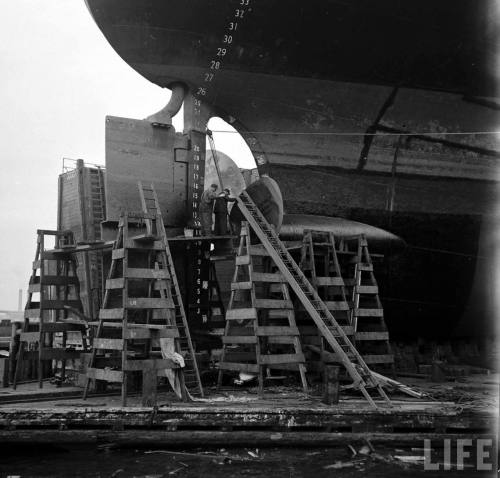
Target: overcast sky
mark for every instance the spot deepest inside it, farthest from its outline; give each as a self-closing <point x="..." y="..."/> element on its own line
<point x="59" y="78"/>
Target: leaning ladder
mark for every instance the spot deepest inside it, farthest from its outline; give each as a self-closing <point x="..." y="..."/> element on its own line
<point x="306" y="293"/>
<point x="192" y="380"/>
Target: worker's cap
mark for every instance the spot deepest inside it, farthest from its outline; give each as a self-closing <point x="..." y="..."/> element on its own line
<point x="226" y="190"/>
<point x="214" y="186"/>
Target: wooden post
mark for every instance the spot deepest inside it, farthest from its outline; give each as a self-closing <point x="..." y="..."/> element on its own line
<point x="331" y="384"/>
<point x="149" y="389"/>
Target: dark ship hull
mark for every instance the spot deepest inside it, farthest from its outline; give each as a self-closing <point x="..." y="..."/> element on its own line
<point x="324" y="93"/>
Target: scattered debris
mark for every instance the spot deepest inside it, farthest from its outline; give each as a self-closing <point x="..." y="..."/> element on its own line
<point x="173" y="472"/>
<point x="353" y="450"/>
<point x="389" y="382"/>
<point x="342" y="464"/>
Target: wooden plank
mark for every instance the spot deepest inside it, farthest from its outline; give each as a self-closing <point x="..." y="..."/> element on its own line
<point x="282" y="358"/>
<point x="150" y="364"/>
<point x="239" y="339"/>
<point x="366" y="289"/>
<point x="103" y="374"/>
<point x="118" y="254"/>
<point x="111" y="314"/>
<point x="34" y="288"/>
<point x="149" y="303"/>
<point x="146" y="246"/>
<point x="329" y="281"/>
<point x="242" y="260"/>
<point x="239" y="314"/>
<point x="149" y="388"/>
<point x="369" y="312"/>
<point x="273" y="304"/>
<point x="141" y="273"/>
<point x="107" y="344"/>
<point x="267" y="277"/>
<point x="370" y="359"/>
<point x="239" y="367"/>
<point x="267" y="331"/>
<point x="372" y="336"/>
<point x="32" y="313"/>
<point x="115" y="283"/>
<point x="147" y="333"/>
<point x="241" y="285"/>
<point x="337" y="305"/>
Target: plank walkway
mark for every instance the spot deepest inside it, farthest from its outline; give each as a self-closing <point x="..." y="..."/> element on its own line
<point x="283" y="418"/>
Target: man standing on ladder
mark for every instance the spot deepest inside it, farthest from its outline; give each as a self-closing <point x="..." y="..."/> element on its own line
<point x="206" y="207"/>
<point x="221" y="212"/>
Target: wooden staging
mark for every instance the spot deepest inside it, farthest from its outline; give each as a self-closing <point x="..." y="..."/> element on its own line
<point x="246" y="421"/>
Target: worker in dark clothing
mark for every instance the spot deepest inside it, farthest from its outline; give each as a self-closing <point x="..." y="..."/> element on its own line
<point x="221" y="213"/>
<point x="206" y="207"/>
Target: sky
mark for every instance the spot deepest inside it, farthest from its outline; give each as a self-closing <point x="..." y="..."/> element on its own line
<point x="59" y="79"/>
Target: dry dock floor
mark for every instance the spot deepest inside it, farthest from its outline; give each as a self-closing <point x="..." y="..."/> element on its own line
<point x="284" y="416"/>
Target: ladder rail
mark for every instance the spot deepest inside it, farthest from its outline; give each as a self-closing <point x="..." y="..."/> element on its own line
<point x="177" y="297"/>
<point x="302" y="289"/>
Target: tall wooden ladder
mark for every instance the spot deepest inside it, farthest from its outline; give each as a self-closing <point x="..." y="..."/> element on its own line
<point x="320" y="264"/>
<point x="48" y="321"/>
<point x="98" y="202"/>
<point x="136" y="331"/>
<point x="150" y="205"/>
<point x="332" y="332"/>
<point x="371" y="334"/>
<point x="260" y="333"/>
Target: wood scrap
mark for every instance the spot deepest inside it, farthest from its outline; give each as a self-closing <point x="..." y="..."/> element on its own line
<point x="389" y="382"/>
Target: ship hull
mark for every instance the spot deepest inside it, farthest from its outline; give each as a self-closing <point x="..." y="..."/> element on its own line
<point x="323" y="95"/>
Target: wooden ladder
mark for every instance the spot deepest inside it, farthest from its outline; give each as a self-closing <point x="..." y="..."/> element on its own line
<point x="320" y="264"/>
<point x="47" y="320"/>
<point x="192" y="380"/>
<point x="260" y="333"/>
<point x="317" y="309"/>
<point x="372" y="336"/>
<point x="136" y="331"/>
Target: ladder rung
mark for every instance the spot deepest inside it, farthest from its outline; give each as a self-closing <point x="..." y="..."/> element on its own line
<point x="366" y="289"/>
<point x="281" y="358"/>
<point x="273" y="304"/>
<point x="115" y="376"/>
<point x="243" y="313"/>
